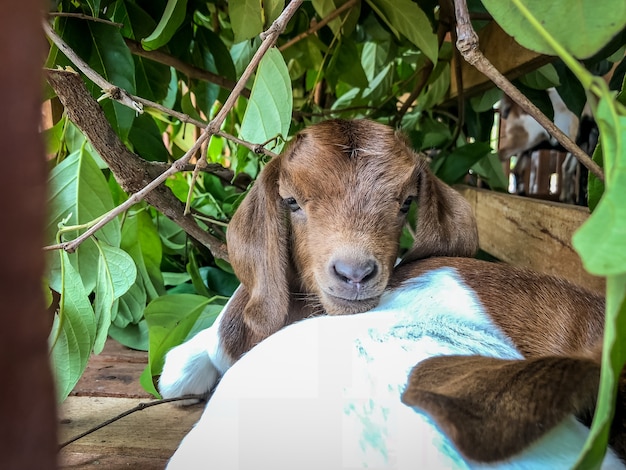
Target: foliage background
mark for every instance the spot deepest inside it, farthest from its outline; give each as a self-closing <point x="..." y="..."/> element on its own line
<point x="141" y="279"/>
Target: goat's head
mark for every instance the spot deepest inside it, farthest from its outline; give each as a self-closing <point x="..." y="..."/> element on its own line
<point x="324" y="219"/>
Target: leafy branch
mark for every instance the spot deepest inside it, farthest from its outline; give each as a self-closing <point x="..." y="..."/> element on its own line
<point x="120" y="95"/>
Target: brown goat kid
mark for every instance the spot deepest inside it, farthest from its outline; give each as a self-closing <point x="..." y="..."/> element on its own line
<point x="292" y="263"/>
<point x="471" y="344"/>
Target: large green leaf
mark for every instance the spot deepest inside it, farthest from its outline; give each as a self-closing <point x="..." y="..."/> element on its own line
<point x="170" y="319"/>
<point x="406" y="17"/>
<point x="246" y="18"/>
<point x="116" y="274"/>
<point x="73" y="331"/>
<point x="152" y="79"/>
<point x="582" y="27"/>
<point x="345" y="65"/>
<point x="268" y="113"/>
<point x="458" y="162"/>
<point x="172" y="18"/>
<point x="140" y="240"/>
<point x="78" y="193"/>
<point x="601" y="241"/>
<point x="111" y="58"/>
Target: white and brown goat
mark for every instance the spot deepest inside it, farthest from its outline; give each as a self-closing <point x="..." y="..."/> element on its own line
<point x="441" y="361"/>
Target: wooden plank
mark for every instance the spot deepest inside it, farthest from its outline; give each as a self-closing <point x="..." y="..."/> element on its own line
<point x="531" y="233"/>
<point x="144" y="440"/>
<point x="511" y="59"/>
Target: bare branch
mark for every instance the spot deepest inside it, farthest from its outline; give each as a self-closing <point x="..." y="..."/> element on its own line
<point x="82" y="16"/>
<point x="467" y="44"/>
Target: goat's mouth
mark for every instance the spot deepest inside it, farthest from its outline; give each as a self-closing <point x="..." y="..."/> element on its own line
<point x="339" y="306"/>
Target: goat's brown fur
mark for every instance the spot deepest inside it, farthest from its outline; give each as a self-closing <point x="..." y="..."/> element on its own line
<point x="494" y="408"/>
<point x="350" y="180"/>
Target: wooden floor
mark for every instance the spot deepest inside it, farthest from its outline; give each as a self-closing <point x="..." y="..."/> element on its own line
<point x="143" y="440"/>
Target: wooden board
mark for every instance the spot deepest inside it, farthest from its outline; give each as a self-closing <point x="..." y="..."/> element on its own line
<point x="531" y="233"/>
<point x="144" y="440"/>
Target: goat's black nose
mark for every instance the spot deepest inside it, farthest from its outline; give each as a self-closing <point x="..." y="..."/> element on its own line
<point x="354" y="272"/>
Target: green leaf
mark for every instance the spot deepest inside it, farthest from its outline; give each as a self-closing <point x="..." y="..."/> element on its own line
<point x="73" y="331"/>
<point x="140" y="239"/>
<point x="490" y="170"/>
<point x="111" y="58"/>
<point x="170" y="319"/>
<point x="94" y="6"/>
<point x="152" y="78"/>
<point x="580" y="26"/>
<point x="485" y="101"/>
<point x="196" y="277"/>
<point x="219" y="281"/>
<point x="116" y="274"/>
<point x="272" y="10"/>
<point x="601" y="241"/>
<point x="133" y="336"/>
<point x="345" y="65"/>
<point x="459" y="161"/>
<point x="147" y="139"/>
<point x="542" y="78"/>
<point x="268" y="113"/>
<point x="79" y="193"/>
<point x="246" y="18"/>
<point x="407" y="18"/>
<point x="172" y="18"/>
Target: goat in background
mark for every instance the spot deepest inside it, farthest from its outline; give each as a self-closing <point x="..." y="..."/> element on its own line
<point x="441" y="360"/>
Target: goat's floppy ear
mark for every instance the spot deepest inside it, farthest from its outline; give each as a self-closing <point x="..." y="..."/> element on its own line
<point x="491" y="408"/>
<point x="445" y="222"/>
<point x="257" y="238"/>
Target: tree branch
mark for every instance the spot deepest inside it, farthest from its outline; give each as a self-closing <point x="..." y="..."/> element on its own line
<point x="135" y="175"/>
<point x="467" y="44"/>
<point x="110" y="90"/>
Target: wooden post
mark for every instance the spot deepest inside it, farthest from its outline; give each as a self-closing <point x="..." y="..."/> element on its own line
<point x="27" y="403"/>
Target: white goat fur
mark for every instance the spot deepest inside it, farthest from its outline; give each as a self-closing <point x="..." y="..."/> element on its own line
<point x="324" y="393"/>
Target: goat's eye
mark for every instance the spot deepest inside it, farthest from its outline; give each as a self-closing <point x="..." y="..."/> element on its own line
<point x="406" y="205"/>
<point x="292" y="204"/>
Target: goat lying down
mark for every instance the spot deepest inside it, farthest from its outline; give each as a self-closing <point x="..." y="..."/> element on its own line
<point x="444" y="362"/>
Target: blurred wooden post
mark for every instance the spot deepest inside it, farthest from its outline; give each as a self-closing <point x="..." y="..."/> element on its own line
<point x="27" y="403"/>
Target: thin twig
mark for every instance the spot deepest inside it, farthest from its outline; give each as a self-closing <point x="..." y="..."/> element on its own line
<point x="110" y="90"/>
<point x="317" y="26"/>
<point x="82" y="16"/>
<point x="139" y="407"/>
<point x="467" y="44"/>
